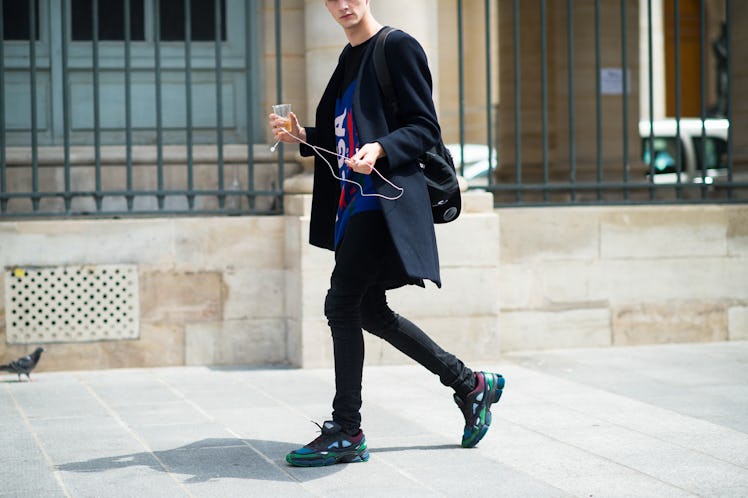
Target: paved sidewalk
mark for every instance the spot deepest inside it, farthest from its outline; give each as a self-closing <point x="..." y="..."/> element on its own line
<point x="646" y="421"/>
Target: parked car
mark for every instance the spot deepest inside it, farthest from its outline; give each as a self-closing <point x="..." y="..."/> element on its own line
<point x="477" y="166"/>
<point x="665" y="150"/>
<point x="476" y="162"/>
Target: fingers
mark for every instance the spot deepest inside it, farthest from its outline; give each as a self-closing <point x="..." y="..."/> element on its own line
<point x="360" y="166"/>
<point x="365" y="158"/>
<point x="362" y="161"/>
<point x="286" y="129"/>
<point x="279" y="127"/>
<point x="294" y="122"/>
<point x="361" y="155"/>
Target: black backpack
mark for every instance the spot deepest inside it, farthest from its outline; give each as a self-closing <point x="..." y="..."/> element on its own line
<point x="438" y="166"/>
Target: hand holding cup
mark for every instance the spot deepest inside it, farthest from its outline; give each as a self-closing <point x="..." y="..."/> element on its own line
<point x="284" y="125"/>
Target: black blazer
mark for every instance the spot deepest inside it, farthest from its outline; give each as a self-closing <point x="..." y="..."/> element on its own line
<point x="409" y="218"/>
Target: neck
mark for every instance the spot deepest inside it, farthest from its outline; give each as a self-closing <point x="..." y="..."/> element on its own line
<point x="362" y="31"/>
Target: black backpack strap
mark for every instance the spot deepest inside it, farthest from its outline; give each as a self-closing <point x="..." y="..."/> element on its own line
<point x="383" y="71"/>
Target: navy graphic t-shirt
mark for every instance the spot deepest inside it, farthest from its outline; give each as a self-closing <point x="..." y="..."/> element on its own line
<point x="346" y="139"/>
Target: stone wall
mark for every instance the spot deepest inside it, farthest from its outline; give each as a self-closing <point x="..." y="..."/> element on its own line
<point x="250" y="290"/>
<point x="210" y="288"/>
<point x="622" y="275"/>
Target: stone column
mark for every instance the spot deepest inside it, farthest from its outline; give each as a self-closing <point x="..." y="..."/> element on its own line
<point x="658" y="60"/>
<point x="419" y="20"/>
<point x="325" y="39"/>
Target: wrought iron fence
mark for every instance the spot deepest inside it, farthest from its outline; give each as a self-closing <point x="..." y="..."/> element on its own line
<point x="74" y="163"/>
<point x="565" y="127"/>
<point x="670" y="156"/>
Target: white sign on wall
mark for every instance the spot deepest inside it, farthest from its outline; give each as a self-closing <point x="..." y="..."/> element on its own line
<point x="611" y="81"/>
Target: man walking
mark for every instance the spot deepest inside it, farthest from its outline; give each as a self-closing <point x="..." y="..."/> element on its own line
<point x="373" y="210"/>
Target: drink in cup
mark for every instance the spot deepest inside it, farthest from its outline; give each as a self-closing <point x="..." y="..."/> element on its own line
<point x="283" y="110"/>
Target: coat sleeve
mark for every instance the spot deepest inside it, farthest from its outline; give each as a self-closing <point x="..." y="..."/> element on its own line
<point x="311" y="137"/>
<point x="418" y="127"/>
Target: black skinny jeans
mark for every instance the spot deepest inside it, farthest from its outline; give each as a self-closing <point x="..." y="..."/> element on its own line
<point x="366" y="265"/>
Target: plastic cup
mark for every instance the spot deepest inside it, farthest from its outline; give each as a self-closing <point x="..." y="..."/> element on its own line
<point x="283" y="110"/>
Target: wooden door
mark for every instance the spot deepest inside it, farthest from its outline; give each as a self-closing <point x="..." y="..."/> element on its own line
<point x="690" y="66"/>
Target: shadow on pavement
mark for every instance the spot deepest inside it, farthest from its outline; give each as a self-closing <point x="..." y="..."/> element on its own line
<point x="213" y="458"/>
<point x="220" y="458"/>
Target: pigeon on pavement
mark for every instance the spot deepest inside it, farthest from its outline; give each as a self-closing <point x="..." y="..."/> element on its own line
<point x="23" y="365"/>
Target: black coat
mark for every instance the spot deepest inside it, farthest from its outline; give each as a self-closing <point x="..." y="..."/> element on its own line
<point x="409" y="218"/>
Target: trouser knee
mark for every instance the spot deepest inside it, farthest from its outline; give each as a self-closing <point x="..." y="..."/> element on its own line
<point x="377" y="318"/>
<point x="342" y="309"/>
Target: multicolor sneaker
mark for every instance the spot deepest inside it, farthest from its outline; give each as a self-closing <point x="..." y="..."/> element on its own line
<point x="476" y="408"/>
<point x="331" y="447"/>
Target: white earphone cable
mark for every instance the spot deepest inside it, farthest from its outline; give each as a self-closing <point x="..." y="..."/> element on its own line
<point x="318" y="151"/>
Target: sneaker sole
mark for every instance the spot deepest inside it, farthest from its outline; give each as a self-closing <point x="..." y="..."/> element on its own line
<point x="325" y="460"/>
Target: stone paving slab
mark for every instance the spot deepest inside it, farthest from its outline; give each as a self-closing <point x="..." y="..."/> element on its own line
<point x="587" y="422"/>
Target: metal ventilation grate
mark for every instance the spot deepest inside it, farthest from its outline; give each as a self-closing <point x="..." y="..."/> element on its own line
<point x="71" y="304"/>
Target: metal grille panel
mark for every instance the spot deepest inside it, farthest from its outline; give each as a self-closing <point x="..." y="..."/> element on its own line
<point x="71" y="304"/>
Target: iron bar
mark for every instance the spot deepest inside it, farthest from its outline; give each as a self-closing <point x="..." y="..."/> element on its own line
<point x="678" y="140"/>
<point x="219" y="100"/>
<point x="96" y="102"/>
<point x="586" y="186"/>
<point x="34" y="124"/>
<point x="128" y="106"/>
<point x="730" y="144"/>
<point x="3" y="138"/>
<point x="159" y="118"/>
<point x="461" y="83"/>
<point x="636" y="202"/>
<point x="489" y="127"/>
<point x="188" y="100"/>
<point x="123" y="192"/>
<point x="517" y="103"/>
<point x="279" y="91"/>
<point x="66" y="106"/>
<point x="598" y="101"/>
<point x="132" y="214"/>
<point x="572" y="118"/>
<point x="249" y="50"/>
<point x="625" y="86"/>
<point x="650" y="51"/>
<point x="702" y="95"/>
<point x="544" y="88"/>
<point x="590" y="186"/>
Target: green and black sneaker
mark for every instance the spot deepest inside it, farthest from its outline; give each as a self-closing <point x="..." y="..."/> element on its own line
<point x="476" y="408"/>
<point x="332" y="446"/>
